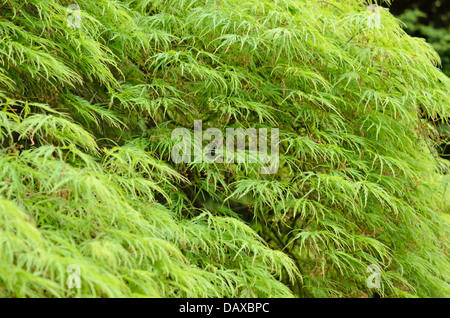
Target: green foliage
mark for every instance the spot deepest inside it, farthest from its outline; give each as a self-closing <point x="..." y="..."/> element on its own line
<point x="438" y="37"/>
<point x="86" y="176"/>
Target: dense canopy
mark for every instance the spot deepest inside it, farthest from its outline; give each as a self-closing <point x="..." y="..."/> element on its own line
<point x="90" y="94"/>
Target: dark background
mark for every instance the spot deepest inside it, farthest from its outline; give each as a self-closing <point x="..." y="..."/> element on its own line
<point x="428" y="19"/>
<point x="437" y="11"/>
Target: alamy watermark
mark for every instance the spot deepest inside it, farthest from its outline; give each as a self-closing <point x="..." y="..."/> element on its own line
<point x="374" y="20"/>
<point x="74" y="279"/>
<point x="374" y="280"/>
<point x="217" y="152"/>
<point x="74" y="18"/>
